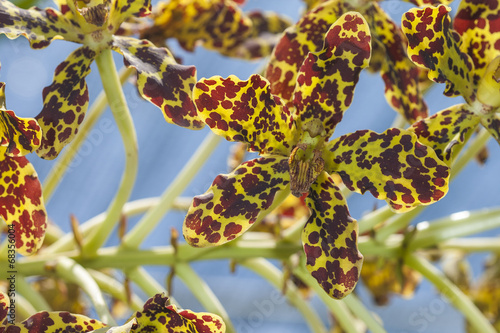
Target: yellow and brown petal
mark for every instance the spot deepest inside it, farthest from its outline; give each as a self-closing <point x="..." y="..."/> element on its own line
<point x="391" y="165"/>
<point x="158" y="316"/>
<point x="246" y="111"/>
<point x="18" y="136"/>
<point x="307" y="35"/>
<point x="235" y="201"/>
<point x="65" y="102"/>
<point x="4" y="308"/>
<point x="434" y="45"/>
<point x="161" y="80"/>
<point x="39" y="26"/>
<point x="446" y="130"/>
<point x="326" y="80"/>
<point x="53" y="322"/>
<point x="218" y="24"/>
<point x="400" y="75"/>
<point x="477" y="22"/>
<point x="330" y="239"/>
<point x="21" y="203"/>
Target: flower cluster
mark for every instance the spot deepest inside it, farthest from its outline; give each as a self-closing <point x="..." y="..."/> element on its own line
<point x="297" y="157"/>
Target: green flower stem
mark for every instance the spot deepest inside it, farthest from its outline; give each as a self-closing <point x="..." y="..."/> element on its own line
<point x="203" y="293"/>
<point x="461" y="302"/>
<point x="274" y="276"/>
<point x="115" y="288"/>
<point x="67" y="243"/>
<point x="31" y="295"/>
<point x="342" y="315"/>
<point x="293" y="234"/>
<point x="23" y="307"/>
<point x="396" y="223"/>
<point x="71" y="271"/>
<point x="64" y="159"/>
<point x="357" y="307"/>
<point x="456" y="225"/>
<point x="479" y="244"/>
<point x="52" y="234"/>
<point x="119" y="108"/>
<point x="370" y="220"/>
<point x="151" y="219"/>
<point x="470" y="151"/>
<point x="147" y="283"/>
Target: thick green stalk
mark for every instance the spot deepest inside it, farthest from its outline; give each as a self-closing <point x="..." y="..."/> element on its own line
<point x="31" y="295"/>
<point x="203" y="293"/>
<point x="64" y="159"/>
<point x="370" y="220"/>
<point x="358" y="308"/>
<point x="274" y="276"/>
<point x="67" y="242"/>
<point x="456" y="225"/>
<point x="23" y="308"/>
<point x="146" y="225"/>
<point x="342" y="315"/>
<point x="70" y="271"/>
<point x="148" y="284"/>
<point x="479" y="244"/>
<point x="119" y="108"/>
<point x="116" y="289"/>
<point x="459" y="300"/>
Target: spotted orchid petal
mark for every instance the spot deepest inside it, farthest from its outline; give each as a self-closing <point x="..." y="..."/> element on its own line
<point x="39" y="26"/>
<point x="217" y="24"/>
<point x="246" y="111"/>
<point x="4" y="308"/>
<point x="306" y="36"/>
<point x="446" y="130"/>
<point x="434" y="45"/>
<point x="326" y="80"/>
<point x="158" y="316"/>
<point x="161" y="80"/>
<point x="265" y="34"/>
<point x="18" y="136"/>
<point x="422" y="3"/>
<point x="235" y="201"/>
<point x="330" y="239"/>
<point x="54" y="322"/>
<point x="478" y="23"/>
<point x="492" y="123"/>
<point x="400" y="75"/>
<point x="392" y="165"/>
<point x="65" y="102"/>
<point x="21" y="203"/>
<point x="123" y="9"/>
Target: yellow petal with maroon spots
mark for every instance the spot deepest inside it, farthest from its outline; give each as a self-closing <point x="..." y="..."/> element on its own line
<point x="265" y="34"/>
<point x="478" y="23"/>
<point x="392" y="165"/>
<point x="54" y="322"/>
<point x="492" y="124"/>
<point x="123" y="9"/>
<point x="18" y="136"/>
<point x="158" y="316"/>
<point x="161" y="80"/>
<point x="326" y="80"/>
<point x="65" y="102"/>
<point x="422" y="3"/>
<point x="400" y="75"/>
<point x="39" y="26"/>
<point x="330" y="239"/>
<point x="246" y="111"/>
<point x="446" y="131"/>
<point x="433" y="44"/>
<point x="297" y="41"/>
<point x="235" y="201"/>
<point x="217" y="24"/>
<point x="21" y="203"/>
<point x="2" y="96"/>
<point x="4" y="307"/>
